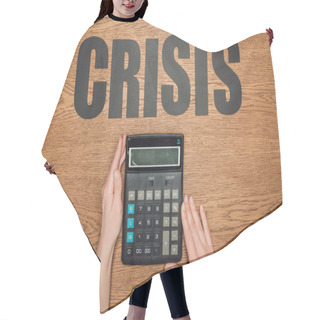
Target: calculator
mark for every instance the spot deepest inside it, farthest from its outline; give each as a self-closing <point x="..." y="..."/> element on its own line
<point x="152" y="228"/>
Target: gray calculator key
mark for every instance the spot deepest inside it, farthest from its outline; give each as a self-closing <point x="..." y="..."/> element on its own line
<point x="174" y="221"/>
<point x="138" y="251"/>
<point x="166" y="207"/>
<point x="157" y="194"/>
<point x="166" y="194"/>
<point x="175" y="207"/>
<point x="174" y="249"/>
<point x="140" y="208"/>
<point x="175" y="194"/>
<point x="140" y="194"/>
<point x="140" y="223"/>
<point x="156" y="251"/>
<point x="147" y="251"/>
<point x="139" y="237"/>
<point x="166" y="222"/>
<point x="148" y="222"/>
<point x="174" y="235"/>
<point x="148" y="207"/>
<point x="131" y="195"/>
<point x="149" y="195"/>
<point x="165" y="243"/>
<point x="157" y="208"/>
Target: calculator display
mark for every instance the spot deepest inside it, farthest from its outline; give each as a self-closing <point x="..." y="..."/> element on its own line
<point x="154" y="156"/>
<point x="152" y="228"/>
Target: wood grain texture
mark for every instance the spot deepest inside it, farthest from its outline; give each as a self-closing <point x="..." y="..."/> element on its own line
<point x="231" y="163"/>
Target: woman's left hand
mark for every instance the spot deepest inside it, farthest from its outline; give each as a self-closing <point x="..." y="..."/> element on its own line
<point x="270" y="34"/>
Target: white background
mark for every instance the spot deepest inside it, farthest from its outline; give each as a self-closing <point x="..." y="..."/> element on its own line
<point x="47" y="267"/>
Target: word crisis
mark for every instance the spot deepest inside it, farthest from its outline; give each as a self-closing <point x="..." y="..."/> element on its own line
<point x="126" y="72"/>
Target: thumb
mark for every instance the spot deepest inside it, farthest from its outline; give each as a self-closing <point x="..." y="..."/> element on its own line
<point x="117" y="185"/>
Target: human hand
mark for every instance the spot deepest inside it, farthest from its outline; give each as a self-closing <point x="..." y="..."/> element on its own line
<point x="49" y="168"/>
<point x="196" y="232"/>
<point x="270" y="34"/>
<point x="111" y="198"/>
<point x="196" y="229"/>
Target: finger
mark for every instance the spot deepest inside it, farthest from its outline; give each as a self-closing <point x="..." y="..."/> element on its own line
<point x="115" y="162"/>
<point x="193" y="229"/>
<point x="123" y="156"/>
<point x="205" y="225"/>
<point x="123" y="151"/>
<point x="114" y="165"/>
<point x="187" y="233"/>
<point x="117" y="187"/>
<point x="197" y="220"/>
<point x="170" y="265"/>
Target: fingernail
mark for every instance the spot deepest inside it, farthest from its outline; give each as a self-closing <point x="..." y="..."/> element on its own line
<point x="116" y="174"/>
<point x="191" y="198"/>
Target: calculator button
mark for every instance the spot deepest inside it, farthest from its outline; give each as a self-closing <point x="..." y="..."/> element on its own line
<point x="147" y="236"/>
<point x="148" y="222"/>
<point x="166" y="222"/>
<point x="166" y="194"/>
<point x="156" y="236"/>
<point x="175" y="194"/>
<point x="140" y="208"/>
<point x="156" y="251"/>
<point x="157" y="222"/>
<point x="148" y="208"/>
<point x="174" y="221"/>
<point x="131" y="195"/>
<point x="165" y="243"/>
<point x="129" y="252"/>
<point x="147" y="251"/>
<point x="138" y="251"/>
<point x="129" y="236"/>
<point x="174" y="235"/>
<point x="130" y="208"/>
<point x="166" y="207"/>
<point x="157" y="208"/>
<point x="139" y="237"/>
<point x="174" y="249"/>
<point x="149" y="195"/>
<point x="140" y="194"/>
<point x="130" y="223"/>
<point x="140" y="223"/>
<point x="175" y="207"/>
<point x="157" y="194"/>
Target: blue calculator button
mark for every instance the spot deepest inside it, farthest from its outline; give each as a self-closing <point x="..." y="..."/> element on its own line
<point x="130" y="223"/>
<point x="129" y="236"/>
<point x="130" y="208"/>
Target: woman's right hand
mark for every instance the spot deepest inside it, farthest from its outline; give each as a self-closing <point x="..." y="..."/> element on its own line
<point x="49" y="168"/>
<point x="196" y="230"/>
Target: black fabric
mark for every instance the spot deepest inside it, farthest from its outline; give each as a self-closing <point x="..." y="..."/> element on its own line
<point x="123" y="19"/>
<point x="172" y="281"/>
